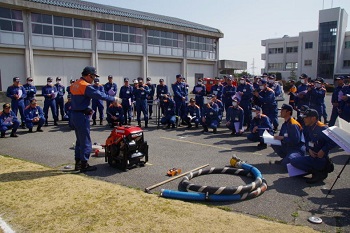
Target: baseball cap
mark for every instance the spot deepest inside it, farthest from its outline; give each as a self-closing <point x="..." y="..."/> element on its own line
<point x="161" y="80"/>
<point x="287" y="107"/>
<point x="272" y="76"/>
<point x="49" y="79"/>
<point x="126" y="79"/>
<point x="303" y="108"/>
<point x="217" y="78"/>
<point x="89" y="70"/>
<point x="291" y="81"/>
<point x="29" y="79"/>
<point x="178" y="76"/>
<point x="339" y="78"/>
<point x="58" y="79"/>
<point x="72" y="81"/>
<point x="148" y="79"/>
<point x="262" y="82"/>
<point x="135" y="81"/>
<point x="6" y="106"/>
<point x="192" y="100"/>
<point x="96" y="80"/>
<point x="16" y="79"/>
<point x="310" y="113"/>
<point x="302" y="76"/>
<point x="32" y="100"/>
<point x="256" y="108"/>
<point x="140" y="79"/>
<point x="110" y="76"/>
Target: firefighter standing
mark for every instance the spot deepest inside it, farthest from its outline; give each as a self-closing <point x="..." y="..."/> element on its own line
<point x="17" y="93"/>
<point x="140" y="94"/>
<point x="31" y="91"/>
<point x="60" y="97"/>
<point x="97" y="104"/>
<point x="126" y="95"/>
<point x="49" y="92"/>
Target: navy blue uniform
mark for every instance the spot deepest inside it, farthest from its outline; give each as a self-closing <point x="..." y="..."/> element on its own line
<point x="316" y="97"/>
<point x="34" y="112"/>
<point x="97" y="104"/>
<point x="193" y="114"/>
<point x="217" y="90"/>
<point x="210" y="116"/>
<point x="169" y="113"/>
<point x="126" y="95"/>
<point x="48" y="92"/>
<point x="17" y="95"/>
<point x="200" y="91"/>
<point x="68" y="111"/>
<point x="263" y="123"/>
<point x="228" y="93"/>
<point x="235" y="116"/>
<point x="140" y="95"/>
<point x="111" y="89"/>
<point x="269" y="105"/>
<point x="180" y="95"/>
<point x="293" y="145"/>
<point x="152" y="91"/>
<point x="161" y="90"/>
<point x="31" y="92"/>
<point x="8" y="121"/>
<point x="301" y="98"/>
<point x="246" y="93"/>
<point x="117" y="113"/>
<point x="344" y="105"/>
<point x="60" y="99"/>
<point x="335" y="102"/>
<point x="315" y="140"/>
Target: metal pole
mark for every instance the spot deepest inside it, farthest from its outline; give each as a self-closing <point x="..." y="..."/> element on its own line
<point x="338" y="176"/>
<point x="173" y="178"/>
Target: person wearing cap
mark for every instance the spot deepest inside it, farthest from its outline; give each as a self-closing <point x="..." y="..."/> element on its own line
<point x="126" y="95"/>
<point x="317" y="145"/>
<point x="140" y="94"/>
<point x="228" y="92"/>
<point x="97" y="104"/>
<point x="300" y="119"/>
<point x="17" y="93"/>
<point x="217" y="89"/>
<point x="199" y="91"/>
<point x="61" y="90"/>
<point x="292" y="92"/>
<point x="210" y="116"/>
<point x="193" y="114"/>
<point x="82" y="93"/>
<point x="260" y="122"/>
<point x="68" y="88"/>
<point x="49" y="92"/>
<point x="245" y="92"/>
<point x="68" y="111"/>
<point x="169" y="117"/>
<point x="180" y="94"/>
<point x="268" y="103"/>
<point x="150" y="97"/>
<point x="301" y="97"/>
<point x="316" y="94"/>
<point x="336" y="99"/>
<point x="111" y="89"/>
<point x="161" y="91"/>
<point x="30" y="89"/>
<point x="291" y="137"/>
<point x="235" y="118"/>
<point x="115" y="114"/>
<point x="8" y="120"/>
<point x="344" y="105"/>
<point x="34" y="116"/>
<point x="219" y="103"/>
<point x="274" y="85"/>
<point x="224" y="81"/>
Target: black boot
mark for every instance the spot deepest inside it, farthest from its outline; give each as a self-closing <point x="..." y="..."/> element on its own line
<point x="94" y="122"/>
<point x="2" y="134"/>
<point x="55" y="122"/>
<point x="317" y="176"/>
<point x="85" y="167"/>
<point x="13" y="134"/>
<point x="30" y="130"/>
<point x="205" y="129"/>
<point x="23" y="126"/>
<point x="146" y="124"/>
<point x="77" y="165"/>
<point x="196" y="125"/>
<point x="39" y="129"/>
<point x="173" y="126"/>
<point x="189" y="125"/>
<point x="215" y="130"/>
<point x="262" y="146"/>
<point x="168" y="126"/>
<point x="46" y="123"/>
<point x="139" y="123"/>
<point x="129" y="121"/>
<point x="101" y="121"/>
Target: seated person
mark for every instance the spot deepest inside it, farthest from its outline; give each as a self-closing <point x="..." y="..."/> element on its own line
<point x="169" y="117"/>
<point x="235" y="118"/>
<point x="193" y="113"/>
<point x="67" y="110"/>
<point x="301" y="111"/>
<point x="8" y="120"/>
<point x="210" y="116"/>
<point x="34" y="115"/>
<point x="317" y="145"/>
<point x="115" y="114"/>
<point x="291" y="137"/>
<point x="259" y="124"/>
<point x="220" y="105"/>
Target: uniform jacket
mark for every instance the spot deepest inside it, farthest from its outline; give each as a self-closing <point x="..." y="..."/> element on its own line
<point x="30" y="90"/>
<point x="14" y="90"/>
<point x="30" y="113"/>
<point x="126" y="93"/>
<point x="48" y="90"/>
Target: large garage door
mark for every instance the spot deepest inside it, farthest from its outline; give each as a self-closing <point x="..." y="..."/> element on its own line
<point x="11" y="65"/>
<point x="192" y="69"/>
<point x="52" y="66"/>
<point x="164" y="70"/>
<point x="119" y="69"/>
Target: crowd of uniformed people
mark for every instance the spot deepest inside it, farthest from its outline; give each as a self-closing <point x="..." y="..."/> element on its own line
<point x="248" y="104"/>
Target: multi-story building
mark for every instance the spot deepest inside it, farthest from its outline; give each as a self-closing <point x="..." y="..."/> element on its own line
<point x="41" y="38"/>
<point x="323" y="53"/>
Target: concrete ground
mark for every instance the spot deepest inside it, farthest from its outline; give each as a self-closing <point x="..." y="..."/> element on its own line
<point x="287" y="199"/>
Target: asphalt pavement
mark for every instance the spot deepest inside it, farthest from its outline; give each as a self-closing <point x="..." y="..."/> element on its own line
<point x="287" y="199"/>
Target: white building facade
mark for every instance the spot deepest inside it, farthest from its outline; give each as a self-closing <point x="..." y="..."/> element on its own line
<point x="50" y="38"/>
<point x="323" y="53"/>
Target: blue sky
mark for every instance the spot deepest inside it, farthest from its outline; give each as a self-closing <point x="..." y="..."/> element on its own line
<point x="244" y="22"/>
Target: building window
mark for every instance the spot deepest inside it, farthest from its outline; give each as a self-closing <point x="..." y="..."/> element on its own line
<point x="275" y="50"/>
<point x="119" y="33"/>
<point x="166" y="39"/>
<point x="200" y="43"/>
<point x="346" y="64"/>
<point x="275" y="66"/>
<point x="60" y="26"/>
<point x="292" y="49"/>
<point x="308" y="45"/>
<point x="291" y="65"/>
<point x="347" y="44"/>
<point x="11" y="20"/>
<point x="308" y="63"/>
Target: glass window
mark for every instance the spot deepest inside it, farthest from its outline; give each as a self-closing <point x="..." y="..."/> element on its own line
<point x="308" y="63"/>
<point x="47" y="29"/>
<point x="58" y="31"/>
<point x="347" y="44"/>
<point x="78" y="23"/>
<point x="36" y="18"/>
<point x="78" y="32"/>
<point x="5" y="13"/>
<point x="169" y="43"/>
<point x="346" y="63"/>
<point x="175" y="35"/>
<point x="175" y="43"/>
<point x="86" y="33"/>
<point x="125" y="29"/>
<point x="150" y="40"/>
<point x="125" y="38"/>
<point x="109" y="36"/>
<point x="67" y="21"/>
<point x="109" y="27"/>
<point x="139" y="39"/>
<point x="156" y="41"/>
<point x="138" y="31"/>
<point x="16" y="15"/>
<point x="86" y="24"/>
<point x="37" y="28"/>
<point x="163" y="34"/>
<point x="132" y="30"/>
<point x="132" y="38"/>
<point x="163" y="42"/>
<point x="169" y="35"/>
<point x="308" y="45"/>
<point x="5" y="25"/>
<point x="68" y="32"/>
<point x="117" y="37"/>
<point x="156" y="33"/>
<point x="58" y="20"/>
<point x="101" y="35"/>
<point x="46" y="19"/>
<point x="100" y="26"/>
<point x="117" y="28"/>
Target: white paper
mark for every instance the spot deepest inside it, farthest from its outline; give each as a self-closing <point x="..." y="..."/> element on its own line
<point x="54" y="95"/>
<point x="293" y="171"/>
<point x="111" y="92"/>
<point x="8" y="120"/>
<point x="268" y="139"/>
<point x="20" y="93"/>
<point x="339" y="136"/>
<point x="197" y="89"/>
<point x="237" y="126"/>
<point x="237" y="96"/>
